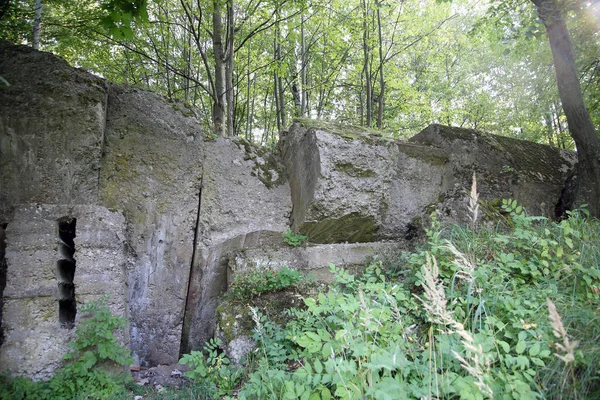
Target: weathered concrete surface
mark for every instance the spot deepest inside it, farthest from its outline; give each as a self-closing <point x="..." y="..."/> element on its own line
<point x="245" y="203"/>
<point x="349" y="186"/>
<point x="68" y="137"/>
<point x="313" y="259"/>
<point x="531" y="173"/>
<point x="193" y="208"/>
<point x="51" y="130"/>
<point x="35" y="340"/>
<point x="152" y="171"/>
<point x="234" y="321"/>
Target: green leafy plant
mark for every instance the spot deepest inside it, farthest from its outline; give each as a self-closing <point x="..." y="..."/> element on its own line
<point x="248" y="285"/>
<point x="466" y="324"/>
<point x="294" y="239"/>
<point x="95" y="366"/>
<point x="213" y="367"/>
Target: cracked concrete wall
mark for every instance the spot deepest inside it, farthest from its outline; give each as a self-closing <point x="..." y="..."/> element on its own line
<point x="35" y="340"/>
<point x="69" y="138"/>
<point x="152" y="171"/>
<point x="171" y="212"/>
<point x="245" y="203"/>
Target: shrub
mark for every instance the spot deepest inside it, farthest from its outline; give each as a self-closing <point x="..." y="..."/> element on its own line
<point x="473" y="323"/>
<point x="294" y="239"/>
<point x="94" y="369"/>
<point x="247" y="285"/>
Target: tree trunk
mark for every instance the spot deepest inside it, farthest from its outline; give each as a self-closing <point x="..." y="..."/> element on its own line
<point x="229" y="58"/>
<point x="584" y="186"/>
<point x="37" y="22"/>
<point x="279" y="82"/>
<point x="304" y="100"/>
<point x="381" y="76"/>
<point x="219" y="101"/>
<point x="367" y="66"/>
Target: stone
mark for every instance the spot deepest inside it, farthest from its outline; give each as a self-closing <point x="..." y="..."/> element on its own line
<point x="241" y="208"/>
<point x="52" y="121"/>
<point x="36" y="334"/>
<point x="351" y="187"/>
<point x="313" y="259"/>
<point x="152" y="172"/>
<point x="354" y="188"/>
<point x="531" y="173"/>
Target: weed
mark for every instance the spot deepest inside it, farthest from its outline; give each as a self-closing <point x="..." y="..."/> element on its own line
<point x="293" y="239"/>
<point x="95" y="367"/>
<point x="248" y="285"/>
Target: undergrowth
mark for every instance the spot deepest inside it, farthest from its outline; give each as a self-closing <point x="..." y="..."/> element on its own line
<point x="505" y="313"/>
<point x="94" y="369"/>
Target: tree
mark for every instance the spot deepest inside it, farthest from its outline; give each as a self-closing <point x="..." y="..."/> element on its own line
<point x="584" y="185"/>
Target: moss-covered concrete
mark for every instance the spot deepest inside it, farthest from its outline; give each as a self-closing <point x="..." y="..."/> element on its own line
<point x="354" y="171"/>
<point x="347" y="131"/>
<point x="430" y="155"/>
<point x="267" y="166"/>
<point x="351" y="228"/>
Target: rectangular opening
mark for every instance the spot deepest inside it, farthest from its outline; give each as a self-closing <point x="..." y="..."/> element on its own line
<point x="65" y="272"/>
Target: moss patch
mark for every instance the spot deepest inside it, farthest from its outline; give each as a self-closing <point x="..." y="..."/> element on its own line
<point x="348" y="132"/>
<point x="234" y="318"/>
<point x="352" y="228"/>
<point x="354" y="171"/>
<point x="268" y="168"/>
<point x="430" y="155"/>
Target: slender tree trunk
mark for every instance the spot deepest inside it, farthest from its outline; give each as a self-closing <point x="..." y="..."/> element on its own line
<point x="37" y="23"/>
<point x="219" y="101"/>
<point x="381" y="76"/>
<point x="366" y="65"/>
<point x="247" y="131"/>
<point x="229" y="60"/>
<point x="281" y="122"/>
<point x="276" y="95"/>
<point x="303" y="100"/>
<point x="584" y="187"/>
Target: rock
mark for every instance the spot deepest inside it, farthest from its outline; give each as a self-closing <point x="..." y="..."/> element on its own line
<point x="348" y="186"/>
<point x="239" y="210"/>
<point x="313" y="259"/>
<point x="51" y="130"/>
<point x="531" y="173"/>
<point x="152" y="171"/>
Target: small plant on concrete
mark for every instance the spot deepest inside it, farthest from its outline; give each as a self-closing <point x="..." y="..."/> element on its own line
<point x="248" y="285"/>
<point x="294" y="239"/>
<point x="213" y="367"/>
<point x="96" y="366"/>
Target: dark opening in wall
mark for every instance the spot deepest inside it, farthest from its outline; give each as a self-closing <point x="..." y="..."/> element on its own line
<point x="3" y="267"/>
<point x="65" y="272"/>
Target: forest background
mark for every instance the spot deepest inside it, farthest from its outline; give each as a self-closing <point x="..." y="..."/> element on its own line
<point x="248" y="68"/>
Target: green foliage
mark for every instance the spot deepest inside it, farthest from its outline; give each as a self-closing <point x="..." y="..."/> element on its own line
<point x="213" y="368"/>
<point x="119" y="15"/>
<point x="473" y="324"/>
<point x="95" y="353"/>
<point x="247" y="285"/>
<point x="94" y="369"/>
<point x="294" y="239"/>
